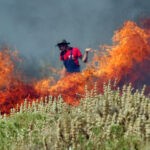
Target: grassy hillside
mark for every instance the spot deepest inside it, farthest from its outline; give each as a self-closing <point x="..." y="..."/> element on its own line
<point x="108" y="121"/>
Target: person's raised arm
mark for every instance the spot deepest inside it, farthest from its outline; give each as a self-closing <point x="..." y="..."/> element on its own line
<point x="85" y="55"/>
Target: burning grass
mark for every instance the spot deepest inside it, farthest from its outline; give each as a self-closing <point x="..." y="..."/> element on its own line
<point x="126" y="61"/>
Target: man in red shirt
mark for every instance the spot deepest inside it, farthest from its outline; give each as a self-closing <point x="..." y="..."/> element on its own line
<point x="70" y="55"/>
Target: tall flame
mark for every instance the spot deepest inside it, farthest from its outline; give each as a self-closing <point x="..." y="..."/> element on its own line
<point x="126" y="61"/>
<point x="129" y="57"/>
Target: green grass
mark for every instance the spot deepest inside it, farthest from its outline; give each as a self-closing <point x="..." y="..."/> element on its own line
<point x="108" y="121"/>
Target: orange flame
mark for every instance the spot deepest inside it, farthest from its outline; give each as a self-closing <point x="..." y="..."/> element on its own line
<point x="129" y="54"/>
<point x="127" y="60"/>
<point x="13" y="90"/>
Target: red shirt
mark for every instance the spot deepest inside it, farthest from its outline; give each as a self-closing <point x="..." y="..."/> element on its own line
<point x="75" y="55"/>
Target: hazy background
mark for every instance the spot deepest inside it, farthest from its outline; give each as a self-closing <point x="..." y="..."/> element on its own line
<point x="35" y="26"/>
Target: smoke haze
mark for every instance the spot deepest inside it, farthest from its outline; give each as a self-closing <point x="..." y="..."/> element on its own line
<point x="35" y="26"/>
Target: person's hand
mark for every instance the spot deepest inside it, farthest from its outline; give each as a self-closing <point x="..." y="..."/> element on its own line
<point x="88" y="50"/>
